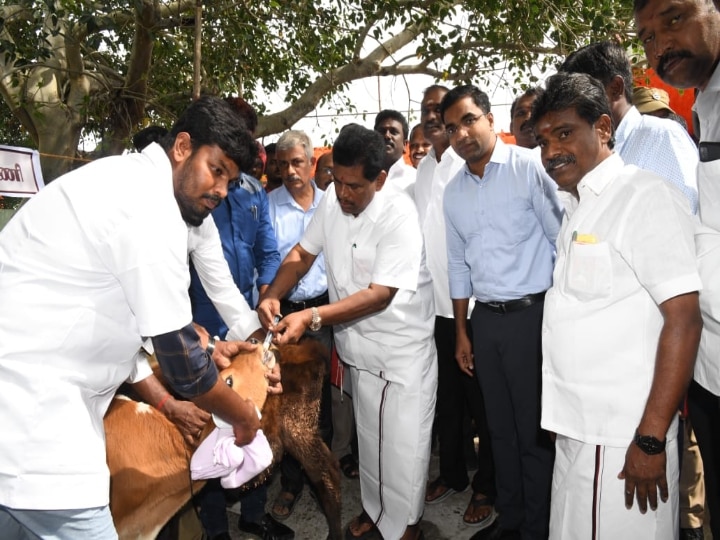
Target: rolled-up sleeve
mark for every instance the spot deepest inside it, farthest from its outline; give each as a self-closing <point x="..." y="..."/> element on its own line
<point x="184" y="363"/>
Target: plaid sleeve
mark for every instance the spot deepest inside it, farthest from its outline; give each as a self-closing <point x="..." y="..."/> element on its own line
<point x="184" y="363"/>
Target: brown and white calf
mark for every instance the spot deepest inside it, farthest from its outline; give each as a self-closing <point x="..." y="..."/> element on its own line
<point x="149" y="460"/>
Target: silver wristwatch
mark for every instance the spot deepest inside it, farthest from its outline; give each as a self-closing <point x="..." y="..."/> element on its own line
<point x="316" y="321"/>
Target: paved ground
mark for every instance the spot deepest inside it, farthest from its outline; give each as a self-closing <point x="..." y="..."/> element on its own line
<point x="441" y="521"/>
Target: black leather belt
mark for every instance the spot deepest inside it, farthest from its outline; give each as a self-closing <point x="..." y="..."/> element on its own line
<point x="286" y="306"/>
<point x="512" y="305"/>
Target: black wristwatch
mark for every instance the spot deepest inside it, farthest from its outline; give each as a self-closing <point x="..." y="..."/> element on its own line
<point x="649" y="444"/>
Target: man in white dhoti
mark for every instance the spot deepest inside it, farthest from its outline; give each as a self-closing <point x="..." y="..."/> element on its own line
<point x="621" y="325"/>
<point x="381" y="306"/>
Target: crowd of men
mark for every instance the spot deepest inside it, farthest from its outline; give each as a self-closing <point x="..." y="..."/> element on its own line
<point x="544" y="296"/>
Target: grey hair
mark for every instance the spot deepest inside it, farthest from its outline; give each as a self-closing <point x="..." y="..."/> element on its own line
<point x="292" y="138"/>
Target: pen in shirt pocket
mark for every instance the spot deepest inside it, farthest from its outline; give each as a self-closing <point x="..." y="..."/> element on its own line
<point x="253" y="209"/>
<point x="581" y="238"/>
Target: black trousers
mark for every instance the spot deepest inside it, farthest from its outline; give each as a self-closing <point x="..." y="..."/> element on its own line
<point x="457" y="396"/>
<point x="705" y="417"/>
<point x="508" y="359"/>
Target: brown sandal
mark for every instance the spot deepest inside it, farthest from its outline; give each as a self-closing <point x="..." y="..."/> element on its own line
<point x="365" y="525"/>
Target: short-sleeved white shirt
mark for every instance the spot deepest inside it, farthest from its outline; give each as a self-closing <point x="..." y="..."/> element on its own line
<point x="401" y="177"/>
<point x="625" y="249"/>
<point x="382" y="245"/>
<point x="90" y="265"/>
<point x="432" y="178"/>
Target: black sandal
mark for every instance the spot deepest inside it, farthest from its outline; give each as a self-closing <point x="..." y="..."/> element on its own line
<point x="349" y="466"/>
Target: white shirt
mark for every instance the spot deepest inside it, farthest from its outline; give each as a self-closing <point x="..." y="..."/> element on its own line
<point x="205" y="248"/>
<point x="88" y="267"/>
<point x="382" y="245"/>
<point x="432" y="177"/>
<point x="401" y="176"/>
<point x="625" y="249"/>
<point x="707" y="107"/>
<point x="662" y="146"/>
<point x="289" y="220"/>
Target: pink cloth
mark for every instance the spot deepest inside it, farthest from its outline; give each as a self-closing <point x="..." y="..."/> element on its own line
<point x="219" y="457"/>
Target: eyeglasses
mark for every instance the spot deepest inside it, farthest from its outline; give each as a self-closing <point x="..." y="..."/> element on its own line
<point x="466" y="121"/>
<point x="325" y="170"/>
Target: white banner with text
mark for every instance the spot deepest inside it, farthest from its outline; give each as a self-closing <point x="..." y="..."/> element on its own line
<point x="20" y="173"/>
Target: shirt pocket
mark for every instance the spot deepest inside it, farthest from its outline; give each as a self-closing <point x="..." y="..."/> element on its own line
<point x="363" y="261"/>
<point x="589" y="270"/>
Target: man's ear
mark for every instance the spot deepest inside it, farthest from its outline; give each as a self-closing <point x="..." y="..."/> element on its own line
<point x="181" y="148"/>
<point x="380" y="180"/>
<point x="490" y="119"/>
<point x="604" y="127"/>
<point x="615" y="89"/>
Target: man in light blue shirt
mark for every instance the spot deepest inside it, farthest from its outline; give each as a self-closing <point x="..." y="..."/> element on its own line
<point x="292" y="206"/>
<point x="502" y="217"/>
<point x="654" y="144"/>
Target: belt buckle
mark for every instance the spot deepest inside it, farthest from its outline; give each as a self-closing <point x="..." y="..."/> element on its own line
<point x="497" y="305"/>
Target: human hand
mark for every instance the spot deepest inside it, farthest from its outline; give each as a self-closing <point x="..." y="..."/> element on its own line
<point x="273" y="377"/>
<point x="187" y="417"/>
<point x="292" y="327"/>
<point x="464" y="355"/>
<point x="266" y="310"/>
<point x="245" y="430"/>
<point x="644" y="475"/>
<point x="226" y="350"/>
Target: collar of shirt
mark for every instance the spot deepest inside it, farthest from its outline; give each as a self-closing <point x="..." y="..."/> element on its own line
<point x="500" y="154"/>
<point x="630" y="121"/>
<point x="601" y="176"/>
<point x="284" y="197"/>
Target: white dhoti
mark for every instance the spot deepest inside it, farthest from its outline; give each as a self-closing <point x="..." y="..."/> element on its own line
<point x="588" y="499"/>
<point x="394" y="427"/>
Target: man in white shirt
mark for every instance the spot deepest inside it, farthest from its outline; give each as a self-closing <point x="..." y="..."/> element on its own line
<point x="651" y="143"/>
<point x="394" y="129"/>
<point x="682" y="44"/>
<point x="621" y="326"/>
<point x="97" y="269"/>
<point x="457" y="391"/>
<point x="381" y="307"/>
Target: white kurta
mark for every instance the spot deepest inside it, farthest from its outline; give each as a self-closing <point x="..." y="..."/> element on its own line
<point x="391" y="353"/>
<point x="90" y="265"/>
<point x="624" y="250"/>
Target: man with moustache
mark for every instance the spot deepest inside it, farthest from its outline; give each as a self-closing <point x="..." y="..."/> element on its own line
<point x="394" y="129"/>
<point x="324" y="171"/>
<point x="520" y="114"/>
<point x="458" y="392"/>
<point x="502" y="216"/>
<point x="99" y="269"/>
<point x="621" y="329"/>
<point x="292" y="206"/>
<point x="381" y="309"/>
<point x="681" y="39"/>
<point x="419" y="145"/>
<point x="672" y="153"/>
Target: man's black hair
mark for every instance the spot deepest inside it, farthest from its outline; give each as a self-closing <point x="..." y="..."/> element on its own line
<point x="147" y="136"/>
<point x="604" y="61"/>
<point x="210" y="121"/>
<point x="479" y="97"/>
<point x="357" y="145"/>
<point x="577" y="91"/>
<point x="534" y="91"/>
<point x="393" y="115"/>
